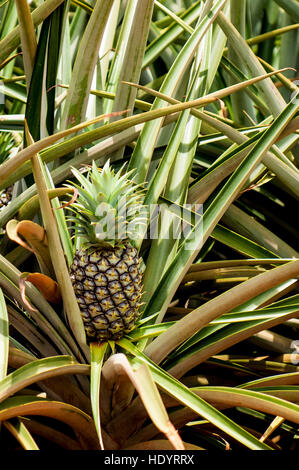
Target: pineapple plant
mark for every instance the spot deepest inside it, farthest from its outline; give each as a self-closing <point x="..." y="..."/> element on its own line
<point x="106" y="270"/>
<point x="216" y="322"/>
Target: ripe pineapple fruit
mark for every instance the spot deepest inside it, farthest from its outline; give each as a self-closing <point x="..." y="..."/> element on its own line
<point x="105" y="272"/>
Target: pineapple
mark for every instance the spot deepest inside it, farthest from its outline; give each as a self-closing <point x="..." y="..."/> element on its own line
<point x="106" y="271"/>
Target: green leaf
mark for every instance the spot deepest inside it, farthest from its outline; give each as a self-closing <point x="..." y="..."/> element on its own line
<point x="221" y="304"/>
<point x="142" y="153"/>
<point x="268" y="91"/>
<point x="21" y="433"/>
<point x="291" y="7"/>
<point x="41" y="97"/>
<point x="167" y="37"/>
<point x="12" y="40"/>
<point x="221" y="340"/>
<point x="198" y="236"/>
<point x="56" y="252"/>
<point x="185" y="396"/>
<point x="97" y="353"/>
<point x="252" y="399"/>
<point x="75" y="106"/>
<point x="45" y="316"/>
<point x="240" y="243"/>
<point x="39" y="370"/>
<point x="79" y="421"/>
<point x="4" y="338"/>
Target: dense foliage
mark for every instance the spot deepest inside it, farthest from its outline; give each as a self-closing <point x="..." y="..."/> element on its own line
<point x="197" y="101"/>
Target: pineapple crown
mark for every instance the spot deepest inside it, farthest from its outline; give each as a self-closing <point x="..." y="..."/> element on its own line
<point x="109" y="207"/>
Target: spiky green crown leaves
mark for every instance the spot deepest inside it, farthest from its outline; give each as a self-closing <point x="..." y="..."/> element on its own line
<point x="109" y="206"/>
